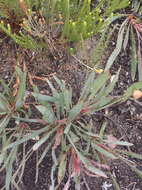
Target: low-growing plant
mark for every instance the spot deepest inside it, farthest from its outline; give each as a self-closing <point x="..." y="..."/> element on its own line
<point x="81" y="19"/>
<point x="11" y="104"/>
<point x="14" y="129"/>
<point x="23" y="39"/>
<point x="69" y="20"/>
<point x="130" y="33"/>
<point x="81" y="151"/>
<point x="66" y="126"/>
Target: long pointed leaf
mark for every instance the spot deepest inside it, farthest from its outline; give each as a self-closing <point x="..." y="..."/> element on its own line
<point x="134" y="58"/>
<point x="103" y="151"/>
<point x="118" y="48"/>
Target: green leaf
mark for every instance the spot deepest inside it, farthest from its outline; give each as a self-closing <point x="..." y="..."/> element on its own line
<point x="116" y="142"/>
<point x="62" y="168"/>
<point x="89" y="166"/>
<point x="22" y="88"/>
<point x="41" y="97"/>
<point x="73" y="113"/>
<point x="122" y="143"/>
<point x="26" y="138"/>
<point x="115" y="184"/>
<point x="134" y="58"/>
<point x="86" y="162"/>
<point x="67" y="98"/>
<point x="61" y="83"/>
<point x="45" y="151"/>
<point x="9" y="168"/>
<point x="54" y="91"/>
<point x="119" y="44"/>
<point x="130" y="90"/>
<point x="137" y="171"/>
<point x="132" y="154"/>
<point x="139" y="59"/>
<point x="44" y="139"/>
<point x="67" y="129"/>
<point x="74" y="137"/>
<point x="87" y="86"/>
<point x="47" y="112"/>
<point x="4" y="122"/>
<point x="84" y="131"/>
<point x="4" y="105"/>
<point x="103" y="102"/>
<point x="98" y="83"/>
<point x="126" y="38"/>
<point x="100" y="100"/>
<point x="103" y="127"/>
<point x="112" y="83"/>
<point x="8" y="175"/>
<point x="114" y="101"/>
<point x="103" y="151"/>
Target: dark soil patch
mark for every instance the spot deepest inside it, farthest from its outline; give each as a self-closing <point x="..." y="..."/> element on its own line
<point x="125" y="119"/>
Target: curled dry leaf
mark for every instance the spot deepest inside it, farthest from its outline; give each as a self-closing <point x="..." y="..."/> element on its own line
<point x="137" y="94"/>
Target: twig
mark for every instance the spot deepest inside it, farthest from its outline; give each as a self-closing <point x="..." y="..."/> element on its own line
<point x="81" y="62"/>
<point x="37" y="168"/>
<point x="85" y="182"/>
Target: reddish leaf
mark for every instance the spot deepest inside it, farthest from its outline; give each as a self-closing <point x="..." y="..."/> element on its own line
<point x="61" y="122"/>
<point x="96" y="164"/>
<point x="111" y="141"/>
<point x="104" y="147"/>
<point x="89" y="173"/>
<point x="62" y="168"/>
<point x="58" y="137"/>
<point x="76" y="164"/>
<point x="85" y="110"/>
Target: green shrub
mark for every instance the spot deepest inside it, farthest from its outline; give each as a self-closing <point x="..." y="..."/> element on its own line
<point x="74" y="20"/>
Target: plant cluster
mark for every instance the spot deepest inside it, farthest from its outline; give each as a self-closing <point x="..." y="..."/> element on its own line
<point x="130" y="30"/>
<point x="71" y="20"/>
<point x="67" y="126"/>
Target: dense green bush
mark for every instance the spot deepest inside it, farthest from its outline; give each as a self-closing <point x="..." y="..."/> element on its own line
<point x="74" y="20"/>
